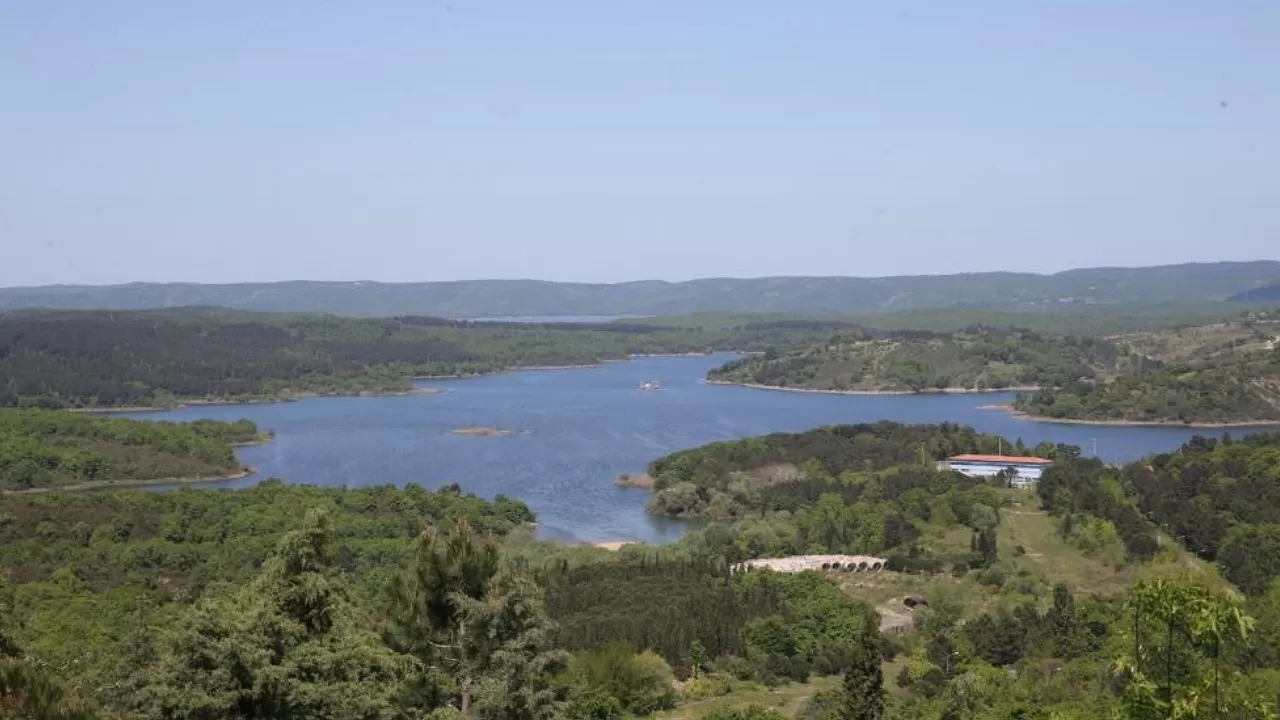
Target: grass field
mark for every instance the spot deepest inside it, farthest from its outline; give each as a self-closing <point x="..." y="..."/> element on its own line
<point x="787" y="699"/>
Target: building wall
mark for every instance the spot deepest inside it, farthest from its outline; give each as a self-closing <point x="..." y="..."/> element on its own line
<point x="1026" y="475"/>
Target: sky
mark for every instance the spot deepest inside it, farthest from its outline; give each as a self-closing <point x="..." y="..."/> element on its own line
<point x="613" y="140"/>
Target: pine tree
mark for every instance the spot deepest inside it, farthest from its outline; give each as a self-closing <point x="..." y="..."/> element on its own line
<point x="481" y="633"/>
<point x="445" y="571"/>
<point x="864" y="680"/>
<point x="506" y="647"/>
<point x="290" y="644"/>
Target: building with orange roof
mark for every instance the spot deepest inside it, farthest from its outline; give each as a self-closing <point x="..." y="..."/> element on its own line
<point x="1023" y="471"/>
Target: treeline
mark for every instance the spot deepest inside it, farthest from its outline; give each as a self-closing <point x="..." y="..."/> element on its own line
<point x="977" y="358"/>
<point x="49" y="449"/>
<point x="90" y="359"/>
<point x="1224" y="390"/>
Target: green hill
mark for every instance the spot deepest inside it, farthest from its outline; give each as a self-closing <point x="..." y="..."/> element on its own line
<point x="41" y="449"/>
<point x="1083" y="288"/>
<point x="920" y="362"/>
<point x="1235" y="390"/>
<point x="1224" y="372"/>
<point x="154" y="358"/>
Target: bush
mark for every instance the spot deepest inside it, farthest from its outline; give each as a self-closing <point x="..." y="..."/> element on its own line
<point x="641" y="683"/>
<point x="751" y="712"/>
<point x="708" y="686"/>
<point x="593" y="704"/>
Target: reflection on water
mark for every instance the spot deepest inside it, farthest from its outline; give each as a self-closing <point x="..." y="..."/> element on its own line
<point x="584" y="428"/>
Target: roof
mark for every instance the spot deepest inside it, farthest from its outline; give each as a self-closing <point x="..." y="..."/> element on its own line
<point x="1000" y="459"/>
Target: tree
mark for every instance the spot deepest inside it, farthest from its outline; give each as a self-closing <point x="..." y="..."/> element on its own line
<point x="1063" y="625"/>
<point x="1180" y="629"/>
<point x="1250" y="556"/>
<point x="290" y="644"/>
<point x="480" y="633"/>
<point x="444" y="570"/>
<point x="506" y="649"/>
<point x="864" y="680"/>
<point x="28" y="692"/>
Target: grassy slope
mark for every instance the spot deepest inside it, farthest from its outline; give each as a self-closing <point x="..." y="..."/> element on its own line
<point x="787" y="699"/>
<point x="1048" y="559"/>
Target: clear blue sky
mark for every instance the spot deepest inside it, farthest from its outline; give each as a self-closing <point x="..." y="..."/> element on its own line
<point x="608" y="140"/>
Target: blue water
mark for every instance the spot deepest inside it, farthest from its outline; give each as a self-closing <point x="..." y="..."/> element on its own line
<point x="581" y="428"/>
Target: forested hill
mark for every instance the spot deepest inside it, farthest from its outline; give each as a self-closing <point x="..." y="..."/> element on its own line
<point x="1235" y="389"/>
<point x="154" y="358"/>
<point x="916" y="362"/>
<point x="41" y="449"/>
<point x="809" y="295"/>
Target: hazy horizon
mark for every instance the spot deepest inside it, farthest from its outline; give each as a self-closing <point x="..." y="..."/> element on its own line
<point x="244" y="142"/>
<point x="352" y="281"/>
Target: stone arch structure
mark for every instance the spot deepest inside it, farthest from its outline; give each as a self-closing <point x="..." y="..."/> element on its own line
<point x="828" y="563"/>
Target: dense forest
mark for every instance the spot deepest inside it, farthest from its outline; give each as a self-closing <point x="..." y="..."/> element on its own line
<point x="91" y="359"/>
<point x="379" y="603"/>
<point x="42" y="449"/>
<point x="294" y="601"/>
<point x="975" y="359"/>
<point x="1082" y="288"/>
<point x="1232" y="389"/>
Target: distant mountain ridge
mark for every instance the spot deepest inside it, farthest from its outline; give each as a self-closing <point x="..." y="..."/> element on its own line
<point x="807" y="295"/>
<point x="1266" y="293"/>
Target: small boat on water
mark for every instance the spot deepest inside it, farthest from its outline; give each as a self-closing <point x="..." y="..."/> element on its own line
<point x="650" y="385"/>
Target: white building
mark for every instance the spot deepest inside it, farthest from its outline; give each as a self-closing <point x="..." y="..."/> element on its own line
<point x="1026" y="470"/>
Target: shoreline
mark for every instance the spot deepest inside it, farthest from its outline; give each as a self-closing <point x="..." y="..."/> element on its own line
<point x="295" y="397"/>
<point x="126" y="484"/>
<point x="1020" y="415"/>
<point x="298" y="396"/>
<point x="932" y="391"/>
<point x="683" y="354"/>
<point x="515" y="369"/>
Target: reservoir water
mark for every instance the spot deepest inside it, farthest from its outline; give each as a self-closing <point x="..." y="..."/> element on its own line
<point x="580" y="429"/>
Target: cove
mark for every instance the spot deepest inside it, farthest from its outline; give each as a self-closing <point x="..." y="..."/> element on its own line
<point x="579" y="429"/>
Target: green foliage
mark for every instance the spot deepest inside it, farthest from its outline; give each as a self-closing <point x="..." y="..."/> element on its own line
<point x="30" y="692"/>
<point x="110" y="565"/>
<point x="641" y="683"/>
<point x="291" y="643"/>
<point x="44" y="449"/>
<point x="864" y="678"/>
<point x="1232" y="389"/>
<point x="1175" y="671"/>
<point x="154" y="359"/>
<point x="751" y="712"/>
<point x="1219" y="498"/>
<point x="977" y="358"/>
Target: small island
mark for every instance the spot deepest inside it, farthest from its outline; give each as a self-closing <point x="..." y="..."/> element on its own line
<point x="481" y="431"/>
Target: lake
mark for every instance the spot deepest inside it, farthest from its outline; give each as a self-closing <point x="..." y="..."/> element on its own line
<point x="580" y="429"/>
